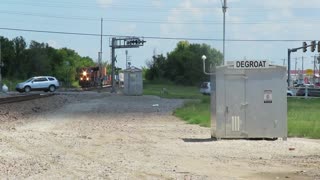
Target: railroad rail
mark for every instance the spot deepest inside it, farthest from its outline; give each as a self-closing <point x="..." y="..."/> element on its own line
<point x="20" y="98"/>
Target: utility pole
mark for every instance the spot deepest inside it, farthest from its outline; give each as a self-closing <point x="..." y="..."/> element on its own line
<point x="314" y="65"/>
<point x="101" y="37"/>
<point x="126" y="59"/>
<point x="295" y="67"/>
<point x="0" y="70"/>
<point x="113" y="43"/>
<point x="319" y="65"/>
<point x="100" y="54"/>
<point x="224" y="9"/>
<point x="302" y="65"/>
<point x="284" y="61"/>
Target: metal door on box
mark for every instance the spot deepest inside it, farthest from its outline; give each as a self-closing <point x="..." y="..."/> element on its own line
<point x="235" y="105"/>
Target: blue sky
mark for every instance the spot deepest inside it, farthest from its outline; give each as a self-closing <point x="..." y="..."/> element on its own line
<point x="245" y="19"/>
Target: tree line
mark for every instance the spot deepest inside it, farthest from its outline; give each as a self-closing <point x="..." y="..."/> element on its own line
<point x="22" y="61"/>
<point x="183" y="65"/>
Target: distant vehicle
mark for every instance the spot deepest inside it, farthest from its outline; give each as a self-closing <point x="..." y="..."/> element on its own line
<point x="205" y="88"/>
<point x="313" y="92"/>
<point x="42" y="83"/>
<point x="304" y="85"/>
<point x="289" y="93"/>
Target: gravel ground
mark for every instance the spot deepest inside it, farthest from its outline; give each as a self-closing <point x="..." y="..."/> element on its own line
<point x="102" y="136"/>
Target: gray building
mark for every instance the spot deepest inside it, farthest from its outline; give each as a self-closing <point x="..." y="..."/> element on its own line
<point x="133" y="81"/>
<point x="251" y="102"/>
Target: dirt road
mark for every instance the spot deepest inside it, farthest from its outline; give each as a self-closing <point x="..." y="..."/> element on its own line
<point x="103" y="136"/>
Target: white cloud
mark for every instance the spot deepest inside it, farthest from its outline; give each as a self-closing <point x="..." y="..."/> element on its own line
<point x="53" y="43"/>
<point x="104" y="3"/>
<point x="186" y="11"/>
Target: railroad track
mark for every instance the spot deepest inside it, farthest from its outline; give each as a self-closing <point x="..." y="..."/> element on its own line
<point x="14" y="99"/>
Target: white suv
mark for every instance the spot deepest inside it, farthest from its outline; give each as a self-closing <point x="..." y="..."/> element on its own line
<point x="44" y="83"/>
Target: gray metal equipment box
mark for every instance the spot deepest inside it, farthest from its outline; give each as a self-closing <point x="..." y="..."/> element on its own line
<point x="133" y="84"/>
<point x="251" y="101"/>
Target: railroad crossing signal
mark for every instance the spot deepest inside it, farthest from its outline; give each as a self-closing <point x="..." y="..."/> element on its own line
<point x="135" y="41"/>
<point x="126" y="42"/>
<point x="122" y="42"/>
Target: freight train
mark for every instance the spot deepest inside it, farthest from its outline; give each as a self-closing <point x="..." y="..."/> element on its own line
<point x="93" y="77"/>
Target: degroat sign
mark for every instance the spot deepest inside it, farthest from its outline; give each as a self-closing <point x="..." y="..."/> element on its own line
<point x="251" y="64"/>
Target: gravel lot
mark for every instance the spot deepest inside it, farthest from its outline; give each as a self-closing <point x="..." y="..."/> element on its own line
<point x="102" y="136"/>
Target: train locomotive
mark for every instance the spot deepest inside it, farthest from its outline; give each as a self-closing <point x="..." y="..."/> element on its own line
<point x="93" y="76"/>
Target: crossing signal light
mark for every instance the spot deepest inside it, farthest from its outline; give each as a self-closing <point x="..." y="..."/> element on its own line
<point x="137" y="42"/>
<point x="304" y="45"/>
<point x="313" y="46"/>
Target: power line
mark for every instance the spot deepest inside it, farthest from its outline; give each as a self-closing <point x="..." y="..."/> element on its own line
<point x="47" y="16"/>
<point x="125" y="7"/>
<point x="155" y="37"/>
<point x="142" y="6"/>
<point x="152" y="21"/>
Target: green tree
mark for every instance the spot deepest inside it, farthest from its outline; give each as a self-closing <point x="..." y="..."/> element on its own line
<point x="19" y="60"/>
<point x="184" y="64"/>
<point x="157" y="68"/>
<point x="7" y="56"/>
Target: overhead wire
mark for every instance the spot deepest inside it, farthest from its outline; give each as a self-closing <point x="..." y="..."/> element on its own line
<point x="151" y="21"/>
<point x="139" y="7"/>
<point x="154" y="37"/>
<point x="112" y="7"/>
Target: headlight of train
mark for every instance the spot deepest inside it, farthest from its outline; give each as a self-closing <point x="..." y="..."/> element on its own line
<point x="87" y="79"/>
<point x="84" y="73"/>
<point x="81" y="79"/>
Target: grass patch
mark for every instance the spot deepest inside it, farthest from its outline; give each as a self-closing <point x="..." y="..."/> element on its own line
<point x="172" y="91"/>
<point x="195" y="112"/>
<point x="304" y="117"/>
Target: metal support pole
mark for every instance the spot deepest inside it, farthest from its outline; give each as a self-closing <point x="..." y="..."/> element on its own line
<point x="0" y="70"/>
<point x="126" y="59"/>
<point x="302" y="64"/>
<point x="100" y="56"/>
<point x="314" y="68"/>
<point x="284" y="61"/>
<point x="224" y="9"/>
<point x="295" y="67"/>
<point x="101" y="37"/>
<point x="289" y="68"/>
<point x="112" y="64"/>
<point x="306" y="92"/>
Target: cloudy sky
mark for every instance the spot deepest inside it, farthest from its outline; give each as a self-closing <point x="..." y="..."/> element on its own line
<point x="198" y="19"/>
